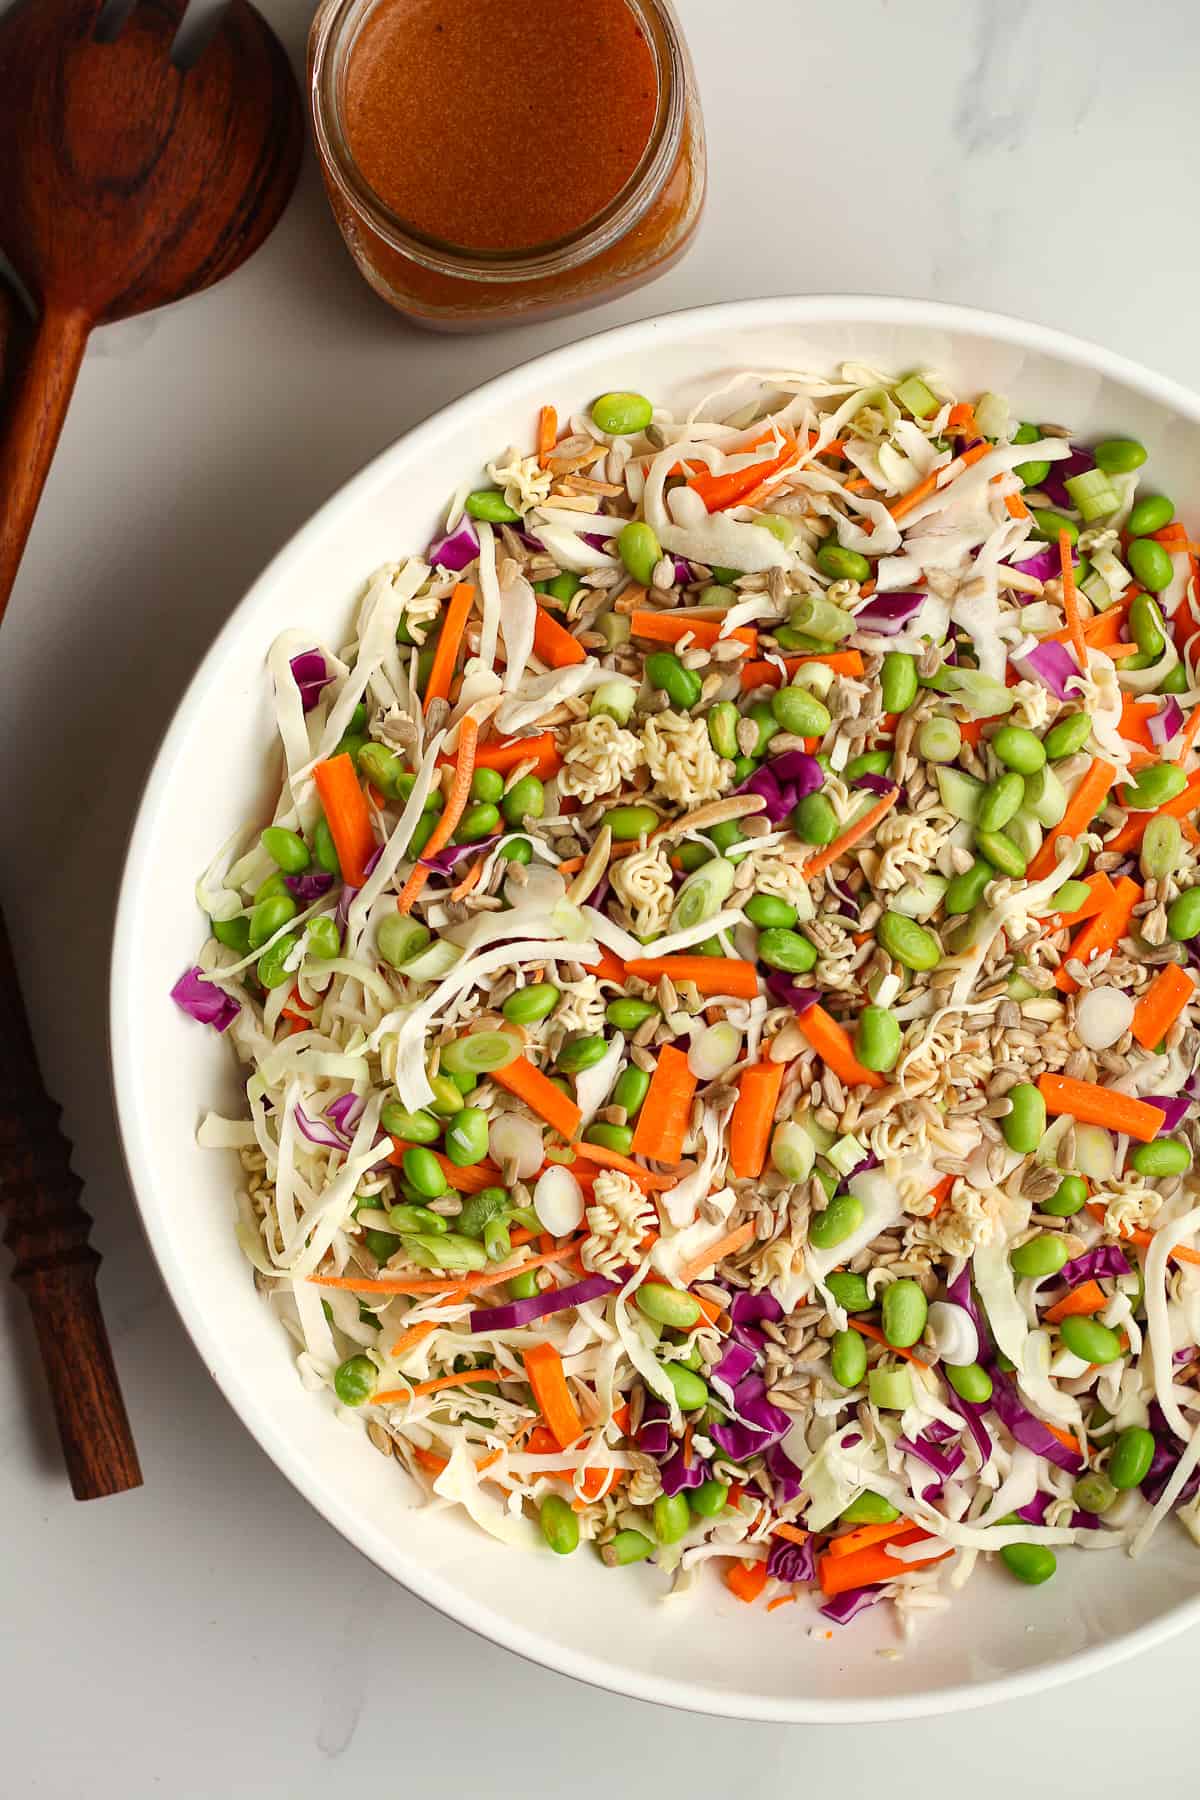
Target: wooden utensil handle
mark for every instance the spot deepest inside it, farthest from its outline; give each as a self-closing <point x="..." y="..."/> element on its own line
<point x="55" y="1265"/>
<point x="30" y="431"/>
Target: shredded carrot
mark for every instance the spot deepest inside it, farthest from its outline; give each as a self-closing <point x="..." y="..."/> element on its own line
<point x="792" y="1533"/>
<point x="861" y="829"/>
<point x="865" y="1537"/>
<point x="1190" y="731"/>
<point x="831" y="1042"/>
<point x="961" y="420"/>
<point x="1070" y="603"/>
<point x="752" y="1118"/>
<point x="553" y="644"/>
<point x="506" y="753"/>
<point x="1143" y="1239"/>
<point x="609" y="967"/>
<point x="464" y="1378"/>
<point x="347" y="815"/>
<point x="547" y="434"/>
<point x="939" y="1193"/>
<point x="449" y="643"/>
<point x="1065" y="1438"/>
<point x="428" y="1459"/>
<point x="1101" y="895"/>
<point x="710" y="974"/>
<point x="1082" y="808"/>
<point x="766" y="674"/>
<point x="1161" y="1005"/>
<point x="662" y="1123"/>
<point x="1080" y="1303"/>
<point x="716" y="1252"/>
<point x="469" y="1284"/>
<point x="1173" y="536"/>
<point x="932" y="484"/>
<point x="539" y="1093"/>
<point x="1015" y="507"/>
<point x="781" y="1600"/>
<point x="464" y="1181"/>
<point x="414" y="1335"/>
<point x="870" y="1567"/>
<point x="669" y="627"/>
<point x="544" y="1367"/>
<point x="470" y="880"/>
<point x="1133" y="831"/>
<point x="1133" y="724"/>
<point x="1095" y="1105"/>
<point x="451" y="813"/>
<point x="1102" y="932"/>
<point x="597" y="1481"/>
<point x="746" y="1580"/>
<point x="873" y="1332"/>
<point x="736" y="489"/>
<point x="613" y="1159"/>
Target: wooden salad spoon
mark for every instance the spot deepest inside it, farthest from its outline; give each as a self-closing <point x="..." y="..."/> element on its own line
<point x="125" y="183"/>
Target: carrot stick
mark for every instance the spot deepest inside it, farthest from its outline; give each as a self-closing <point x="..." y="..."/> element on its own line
<point x="547" y="434"/>
<point x="792" y="1533"/>
<point x="1102" y="932"/>
<point x="865" y="1537"/>
<point x="669" y="627"/>
<point x="1172" y="535"/>
<point x="540" y="1095"/>
<point x="601" y="1158"/>
<point x="506" y="753"/>
<point x="544" y="1367"/>
<point x="666" y="1111"/>
<point x="716" y="1252"/>
<point x="1015" y="507"/>
<point x="469" y="1284"/>
<point x="831" y="1042"/>
<point x="1189" y="737"/>
<point x="868" y="1568"/>
<point x="1143" y="1239"/>
<point x="451" y="813"/>
<point x="1080" y="1303"/>
<point x="961" y="420"/>
<point x="396" y="1396"/>
<point x="347" y="816"/>
<point x="1161" y="1005"/>
<point x="746" y="1580"/>
<point x="554" y="645"/>
<point x="1101" y="895"/>
<point x="1133" y="726"/>
<point x="1095" y="1105"/>
<point x="463" y="1181"/>
<point x="1132" y="833"/>
<point x="721" y="491"/>
<point x="829" y="855"/>
<point x="1082" y="808"/>
<point x="449" y="644"/>
<point x="753" y="1116"/>
<point x="873" y="1332"/>
<point x="711" y="974"/>
<point x="609" y="968"/>
<point x="1070" y="603"/>
<point x="766" y="674"/>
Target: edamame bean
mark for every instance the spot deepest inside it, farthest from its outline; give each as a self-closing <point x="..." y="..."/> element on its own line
<point x="525" y="799"/>
<point x="1040" y="1256"/>
<point x="287" y="848"/>
<point x="324" y="938"/>
<point x="841" y="564"/>
<point x="668" y="1306"/>
<point x="871" y="762"/>
<point x="621" y="414"/>
<point x="693" y="856"/>
<point x="270" y="968"/>
<point x="467" y="1137"/>
<point x="767" y="910"/>
<point x="1071" y="895"/>
<point x="560" y="1524"/>
<point x="709" y="1500"/>
<point x="415" y="1127"/>
<point x="761" y="714"/>
<point x="490" y="504"/>
<point x="898" y="681"/>
<point x="1030" y="1563"/>
<point x="723" y="721"/>
<point x="1032" y="474"/>
<point x="1047" y="524"/>
<point x="1019" y="749"/>
<point x="640" y="550"/>
<point x="939" y="739"/>
<point x="479" y="821"/>
<point x="966" y="890"/>
<point x="1000" y="802"/>
<point x="355" y="1380"/>
<point x="789" y="951"/>
<point x="1002" y="853"/>
<point x="629" y="822"/>
<point x="479" y="1209"/>
<point x="1120" y="456"/>
<point x="877" y="1039"/>
<point x="271" y="888"/>
<point x="868" y="1508"/>
<point x="409" y="1218"/>
<point x="1154" y="786"/>
<point x="850" y="1291"/>
<point x="970" y="1381"/>
<point x="1175" y="681"/>
<point x="487" y="784"/>
<point x="1068" y="1198"/>
<point x="1089" y="1339"/>
<point x="235" y="933"/>
<point x="1146" y="624"/>
<point x="800" y="712"/>
<point x="904" y="1312"/>
<point x="447" y="1096"/>
<point x="813" y="820"/>
<point x="1150" y="514"/>
<point x="1151" y="564"/>
<point x="690" y="1391"/>
<point x="398" y="937"/>
<point x="627" y="1014"/>
<point x="1129" y="1464"/>
<point x="908" y="943"/>
<point x="497" y="1243"/>
<point x="350" y="746"/>
<point x="524" y="1286"/>
<point x="632" y="1086"/>
<point x="422" y="832"/>
<point x="1183" y="915"/>
<point x="529" y="1004"/>
<point x="1165" y="1156"/>
<point x="1024" y="1125"/>
<point x="848" y="1358"/>
<point x="610" y="1137"/>
<point x="1067" y="735"/>
<point x="681" y="686"/>
<point x="382" y="767"/>
<point x="269" y="916"/>
<point x="580" y="1053"/>
<point x="1094" y="1492"/>
<point x="1162" y="846"/>
<point x="518" y="850"/>
<point x="672" y="1517"/>
<point x="838" y="1221"/>
<point x="744" y="766"/>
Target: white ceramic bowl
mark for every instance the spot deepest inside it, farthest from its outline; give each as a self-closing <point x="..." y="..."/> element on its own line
<point x="705" y="1651"/>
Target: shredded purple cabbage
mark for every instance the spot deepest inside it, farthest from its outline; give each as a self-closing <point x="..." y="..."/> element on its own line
<point x="677" y="1475"/>
<point x="844" y="1607"/>
<point x="454" y="551"/>
<point x="204" y="1001"/>
<point x="942" y="1462"/>
<point x="516" y="1313"/>
<point x="310" y="675"/>
<point x="787" y="1561"/>
<point x="764" y="1424"/>
<point x="444" y="860"/>
<point x="785" y="1476"/>
<point x="1094" y="1265"/>
<point x="309" y="886"/>
<point x="1034" y="1511"/>
<point x="319" y="1131"/>
<point x="1026" y="1427"/>
<point x="786" y="992"/>
<point x="1174" y="1107"/>
<point x="888" y="614"/>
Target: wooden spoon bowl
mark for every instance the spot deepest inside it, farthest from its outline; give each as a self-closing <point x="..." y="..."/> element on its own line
<point x="125" y="183"/>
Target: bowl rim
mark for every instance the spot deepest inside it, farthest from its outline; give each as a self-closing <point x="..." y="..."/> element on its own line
<point x="433" y="1589"/>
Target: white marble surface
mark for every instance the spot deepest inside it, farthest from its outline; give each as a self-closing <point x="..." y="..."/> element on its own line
<point x="210" y="1635"/>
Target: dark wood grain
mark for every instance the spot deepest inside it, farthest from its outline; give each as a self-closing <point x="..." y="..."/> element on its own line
<point x="125" y="183"/>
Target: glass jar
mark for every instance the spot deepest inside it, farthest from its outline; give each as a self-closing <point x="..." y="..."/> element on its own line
<point x="643" y="230"/>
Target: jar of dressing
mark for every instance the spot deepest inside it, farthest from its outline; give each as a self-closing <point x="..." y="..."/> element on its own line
<point x="489" y="164"/>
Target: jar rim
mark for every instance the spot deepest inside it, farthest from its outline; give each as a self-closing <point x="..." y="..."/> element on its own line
<point x="331" y="42"/>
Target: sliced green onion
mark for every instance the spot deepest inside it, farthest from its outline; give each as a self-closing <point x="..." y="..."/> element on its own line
<point x="702" y="894"/>
<point x="821" y="619"/>
<point x="1093" y="494"/>
<point x="961" y="793"/>
<point x="480" y="1052"/>
<point x="890" y="1388"/>
<point x="916" y="398"/>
